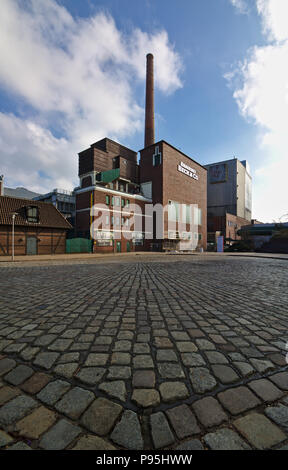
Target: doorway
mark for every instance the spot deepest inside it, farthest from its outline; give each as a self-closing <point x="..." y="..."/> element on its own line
<point x="31" y="246"/>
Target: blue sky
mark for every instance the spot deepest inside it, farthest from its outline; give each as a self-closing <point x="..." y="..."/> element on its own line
<point x="74" y="71"/>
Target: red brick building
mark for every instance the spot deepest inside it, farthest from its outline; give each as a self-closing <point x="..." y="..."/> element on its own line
<point x="123" y="193"/>
<point x="39" y="228"/>
<point x="109" y="179"/>
<point x="113" y="183"/>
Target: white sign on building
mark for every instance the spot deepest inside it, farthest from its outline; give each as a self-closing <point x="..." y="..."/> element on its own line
<point x="187" y="170"/>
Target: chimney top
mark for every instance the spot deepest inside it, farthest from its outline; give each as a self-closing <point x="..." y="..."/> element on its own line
<point x="149" y="105"/>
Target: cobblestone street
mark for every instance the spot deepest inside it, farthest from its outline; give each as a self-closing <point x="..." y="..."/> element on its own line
<point x="168" y="353"/>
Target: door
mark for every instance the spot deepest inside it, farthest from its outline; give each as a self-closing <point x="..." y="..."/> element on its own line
<point x="128" y="247"/>
<point x="118" y="247"/>
<point x="31" y="246"/>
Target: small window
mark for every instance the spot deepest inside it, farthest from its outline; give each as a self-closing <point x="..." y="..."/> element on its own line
<point x="112" y="220"/>
<point x="117" y="200"/>
<point x="127" y="202"/>
<point x="32" y="214"/>
<point x="107" y="220"/>
<point x="112" y="201"/>
<point x="108" y="200"/>
<point x="122" y="202"/>
<point x="157" y="157"/>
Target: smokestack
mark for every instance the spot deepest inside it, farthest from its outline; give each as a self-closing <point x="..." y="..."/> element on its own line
<point x="1" y="185"/>
<point x="149" y="107"/>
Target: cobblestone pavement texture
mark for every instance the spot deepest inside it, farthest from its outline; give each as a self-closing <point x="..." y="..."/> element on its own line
<point x="183" y="353"/>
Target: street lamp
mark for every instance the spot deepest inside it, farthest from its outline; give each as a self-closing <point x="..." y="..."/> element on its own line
<point x="13" y="224"/>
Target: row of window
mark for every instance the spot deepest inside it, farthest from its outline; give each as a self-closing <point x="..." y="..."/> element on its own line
<point x="116" y="220"/>
<point x="178" y="212"/>
<point x="115" y="201"/>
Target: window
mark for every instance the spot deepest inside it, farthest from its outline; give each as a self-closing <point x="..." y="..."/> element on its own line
<point x="108" y="200"/>
<point x="122" y="202"/>
<point x="112" y="220"/>
<point x="112" y="201"/>
<point x="157" y="157"/>
<point x="127" y="202"/>
<point x="107" y="219"/>
<point x="117" y="201"/>
<point x="117" y="220"/>
<point x="173" y="211"/>
<point x="32" y="214"/>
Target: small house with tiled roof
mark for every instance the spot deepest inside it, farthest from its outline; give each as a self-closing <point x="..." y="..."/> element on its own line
<point x="39" y="228"/>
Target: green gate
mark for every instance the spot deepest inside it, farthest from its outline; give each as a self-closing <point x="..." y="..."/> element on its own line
<point x="78" y="245"/>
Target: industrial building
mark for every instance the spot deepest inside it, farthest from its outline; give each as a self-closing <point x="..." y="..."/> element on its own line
<point x="229" y="198"/>
<point x="128" y="191"/>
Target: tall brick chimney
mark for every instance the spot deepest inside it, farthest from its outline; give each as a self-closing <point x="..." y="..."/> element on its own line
<point x="149" y="107"/>
<point x="1" y="185"/>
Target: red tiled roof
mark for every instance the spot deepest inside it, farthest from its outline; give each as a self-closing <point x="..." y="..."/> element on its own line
<point x="49" y="216"/>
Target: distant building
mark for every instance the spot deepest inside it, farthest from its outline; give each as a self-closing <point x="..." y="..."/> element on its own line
<point x="64" y="201"/>
<point x="229" y="198"/>
<point x="269" y="238"/>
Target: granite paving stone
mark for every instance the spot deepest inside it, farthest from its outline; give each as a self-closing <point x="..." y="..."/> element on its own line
<point x="239" y="399"/>
<point x="225" y="439"/>
<point x="209" y="412"/>
<point x="74" y="402"/>
<point x="192" y="444"/>
<point x="36" y="423"/>
<point x="259" y="431"/>
<point x="53" y="392"/>
<point x="183" y="421"/>
<point x="120" y="358"/>
<point x="7" y="393"/>
<point x="127" y="433"/>
<point x="35" y="383"/>
<point x="16" y="409"/>
<point x="143" y="379"/>
<point x="201" y="379"/>
<point x="90" y="442"/>
<point x="146" y="397"/>
<point x="6" y="365"/>
<point x="90" y="375"/>
<point x="280" y="379"/>
<point x="225" y="374"/>
<point x="116" y="388"/>
<point x="162" y="435"/>
<point x="266" y="390"/>
<point x="46" y="359"/>
<point x="5" y="439"/>
<point x="18" y="375"/>
<point x="19" y="446"/>
<point x="101" y="416"/>
<point x="170" y="370"/>
<point x="60" y="435"/>
<point x="173" y="391"/>
<point x="278" y="414"/>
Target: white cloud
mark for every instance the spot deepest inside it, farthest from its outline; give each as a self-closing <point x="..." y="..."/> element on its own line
<point x="263" y="99"/>
<point x="78" y="76"/>
<point x="240" y="5"/>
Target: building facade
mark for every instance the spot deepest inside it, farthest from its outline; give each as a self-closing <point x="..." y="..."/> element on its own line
<point x="128" y="197"/>
<point x="39" y="228"/>
<point x="177" y="183"/>
<point x="229" y="198"/>
<point x="109" y="182"/>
